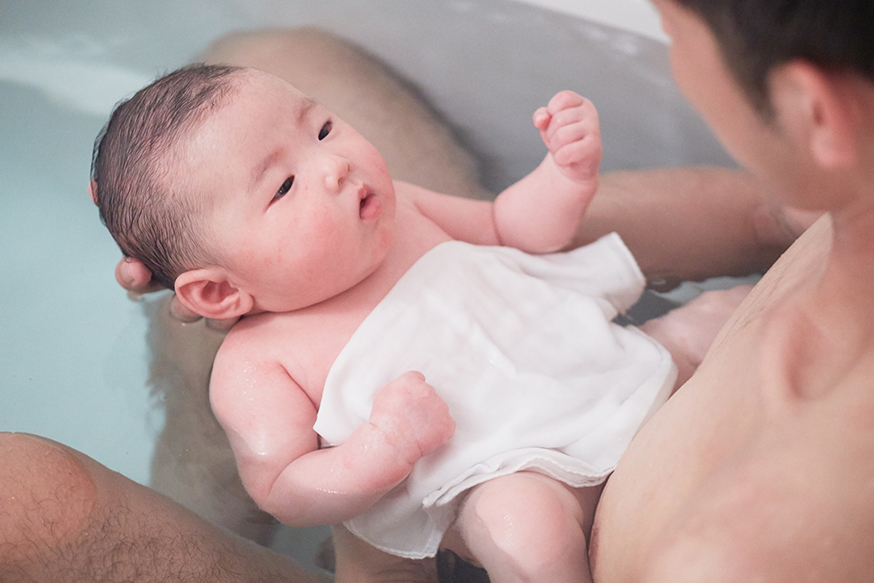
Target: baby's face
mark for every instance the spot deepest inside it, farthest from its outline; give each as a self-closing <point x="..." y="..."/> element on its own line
<point x="299" y="206"/>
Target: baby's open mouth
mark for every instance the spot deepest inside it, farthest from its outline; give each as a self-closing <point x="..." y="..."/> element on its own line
<point x="370" y="207"/>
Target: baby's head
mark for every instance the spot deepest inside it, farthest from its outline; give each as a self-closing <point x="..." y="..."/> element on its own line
<point x="151" y="218"/>
<point x="241" y="192"/>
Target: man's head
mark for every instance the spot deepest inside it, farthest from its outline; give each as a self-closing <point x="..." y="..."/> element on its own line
<point x="151" y="218"/>
<point x="787" y="86"/>
<point x="757" y="36"/>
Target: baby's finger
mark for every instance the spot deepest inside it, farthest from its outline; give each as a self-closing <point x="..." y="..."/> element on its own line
<point x="559" y="136"/>
<point x="413" y="375"/>
<point x="582" y="156"/>
<point x="564" y="100"/>
<point x="584" y="113"/>
<point x="541" y="118"/>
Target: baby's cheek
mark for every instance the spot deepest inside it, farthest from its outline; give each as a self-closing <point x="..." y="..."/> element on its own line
<point x="322" y="235"/>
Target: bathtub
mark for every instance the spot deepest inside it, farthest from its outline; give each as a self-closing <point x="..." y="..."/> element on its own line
<point x="74" y="362"/>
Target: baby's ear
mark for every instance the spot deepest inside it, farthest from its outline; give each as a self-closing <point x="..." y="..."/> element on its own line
<point x="208" y="292"/>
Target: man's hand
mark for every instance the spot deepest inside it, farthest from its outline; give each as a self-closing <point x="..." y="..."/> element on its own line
<point x="136" y="278"/>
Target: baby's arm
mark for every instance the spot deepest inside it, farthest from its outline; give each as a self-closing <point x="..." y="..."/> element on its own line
<point x="268" y="419"/>
<point x="543" y="211"/>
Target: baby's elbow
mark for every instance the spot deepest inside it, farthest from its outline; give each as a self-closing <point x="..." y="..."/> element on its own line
<point x="282" y="504"/>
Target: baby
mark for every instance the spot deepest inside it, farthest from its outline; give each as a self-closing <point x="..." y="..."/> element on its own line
<point x="418" y="366"/>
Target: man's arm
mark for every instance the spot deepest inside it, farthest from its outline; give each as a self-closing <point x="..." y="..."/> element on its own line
<point x="692" y="223"/>
<point x="64" y="518"/>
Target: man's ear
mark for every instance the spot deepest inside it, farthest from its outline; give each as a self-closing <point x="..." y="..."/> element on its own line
<point x="821" y="110"/>
<point x="208" y="292"/>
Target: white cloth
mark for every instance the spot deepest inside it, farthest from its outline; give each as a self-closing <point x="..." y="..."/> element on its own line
<point x="523" y="350"/>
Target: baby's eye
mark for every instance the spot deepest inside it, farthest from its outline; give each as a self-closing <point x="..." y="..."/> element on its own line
<point x="326" y="129"/>
<point x="286" y="186"/>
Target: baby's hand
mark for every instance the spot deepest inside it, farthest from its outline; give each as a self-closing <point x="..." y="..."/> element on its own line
<point x="413" y="418"/>
<point x="569" y="128"/>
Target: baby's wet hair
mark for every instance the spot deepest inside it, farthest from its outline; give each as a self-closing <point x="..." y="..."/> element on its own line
<point x="150" y="219"/>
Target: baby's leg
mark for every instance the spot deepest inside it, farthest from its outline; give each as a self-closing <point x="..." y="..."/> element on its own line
<point x="528" y="527"/>
<point x="688" y="331"/>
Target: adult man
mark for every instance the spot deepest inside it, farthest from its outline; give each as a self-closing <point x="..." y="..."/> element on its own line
<point x="760" y="468"/>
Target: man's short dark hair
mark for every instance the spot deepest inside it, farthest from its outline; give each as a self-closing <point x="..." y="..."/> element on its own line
<point x="149" y="219"/>
<point x="755" y="36"/>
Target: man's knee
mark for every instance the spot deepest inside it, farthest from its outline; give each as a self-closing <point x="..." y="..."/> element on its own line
<point x="46" y="495"/>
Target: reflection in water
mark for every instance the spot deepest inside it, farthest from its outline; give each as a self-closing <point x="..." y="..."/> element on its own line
<point x="193" y="463"/>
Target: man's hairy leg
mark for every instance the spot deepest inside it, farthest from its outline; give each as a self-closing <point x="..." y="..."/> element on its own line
<point x="64" y="517"/>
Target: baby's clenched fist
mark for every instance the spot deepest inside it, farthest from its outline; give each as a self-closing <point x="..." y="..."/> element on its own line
<point x="570" y="129"/>
<point x="412" y="416"/>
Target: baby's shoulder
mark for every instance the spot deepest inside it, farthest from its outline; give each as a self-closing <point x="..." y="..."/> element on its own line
<point x="299" y="347"/>
<point x="260" y="338"/>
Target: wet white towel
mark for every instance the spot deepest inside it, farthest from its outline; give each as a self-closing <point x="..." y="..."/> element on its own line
<point x="523" y="350"/>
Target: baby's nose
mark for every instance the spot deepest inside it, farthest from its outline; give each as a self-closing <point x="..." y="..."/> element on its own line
<point x="336" y="169"/>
